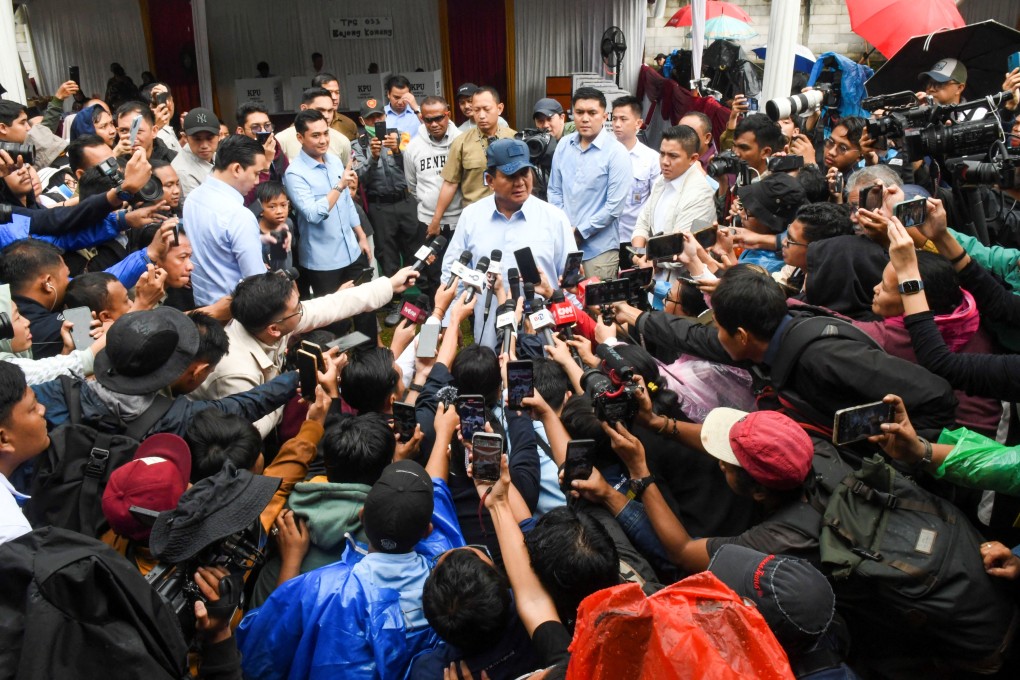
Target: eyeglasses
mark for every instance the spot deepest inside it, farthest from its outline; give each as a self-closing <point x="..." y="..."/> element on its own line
<point x="434" y="119"/>
<point x="841" y="149"/>
<point x="300" y="312"/>
<point x="935" y="85"/>
<point x="255" y="127"/>
<point x="787" y="241"/>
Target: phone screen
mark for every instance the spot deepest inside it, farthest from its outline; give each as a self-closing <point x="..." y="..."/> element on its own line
<point x="404" y="420"/>
<point x="520" y="377"/>
<point x="81" y="317"/>
<point x="74" y="73"/>
<point x="911" y="213"/>
<point x="428" y="340"/>
<point x="664" y="246"/>
<point x="486" y="450"/>
<point x="870" y="197"/>
<point x="350" y="341"/>
<point x="860" y="422"/>
<point x="306" y="372"/>
<point x="704" y="232"/>
<point x="471" y="409"/>
<point x="572" y="269"/>
<point x="526" y="265"/>
<point x="380" y="129"/>
<point x="580" y="460"/>
<point x="752" y="104"/>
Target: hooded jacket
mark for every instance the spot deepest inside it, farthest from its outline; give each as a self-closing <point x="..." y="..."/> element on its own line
<point x="424" y="160"/>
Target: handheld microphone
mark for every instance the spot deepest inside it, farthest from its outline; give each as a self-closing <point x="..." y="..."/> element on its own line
<point x="564" y="314"/>
<point x="506" y="319"/>
<point x="542" y="322"/>
<point x="475" y="280"/>
<point x="427" y="254"/>
<point x="465" y="257"/>
<point x="490" y="274"/>
<point x="529" y="297"/>
<point x="513" y="278"/>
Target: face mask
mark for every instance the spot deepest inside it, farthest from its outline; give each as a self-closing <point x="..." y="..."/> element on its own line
<point x="370" y="129"/>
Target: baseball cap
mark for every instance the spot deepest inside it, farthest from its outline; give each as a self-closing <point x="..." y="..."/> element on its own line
<point x="154" y="479"/>
<point x="399" y="507"/>
<point x="146" y="351"/>
<point x="508" y="156"/>
<point x="201" y="120"/>
<point x="547" y="107"/>
<point x="945" y="70"/>
<point x="466" y="90"/>
<point x="774" y="200"/>
<point x="774" y="449"/>
<point x="793" y="597"/>
<point x="371" y="106"/>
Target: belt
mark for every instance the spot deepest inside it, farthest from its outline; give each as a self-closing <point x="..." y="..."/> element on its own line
<point x="395" y="197"/>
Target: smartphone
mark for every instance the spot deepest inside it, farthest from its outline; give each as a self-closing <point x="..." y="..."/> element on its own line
<point x="860" y="422"/>
<point x="1013" y="62"/>
<point x="471" y="409"/>
<point x="526" y="265"/>
<point x="365" y="276"/>
<point x="74" y="74"/>
<point x="785" y="163"/>
<point x="606" y="292"/>
<point x="262" y="137"/>
<point x="404" y="420"/>
<point x="752" y="104"/>
<point x="135" y="124"/>
<point x="638" y="281"/>
<point x="572" y="269"/>
<point x="160" y="98"/>
<point x="306" y="363"/>
<point x="870" y="197"/>
<point x="520" y="378"/>
<point x="580" y="460"/>
<point x="348" y="342"/>
<point x="316" y="351"/>
<point x="428" y="340"/>
<point x="486" y="452"/>
<point x="177" y="235"/>
<point x="413" y="313"/>
<point x="704" y="232"/>
<point x="912" y="213"/>
<point x="664" y="246"/>
<point x="277" y="251"/>
<point x="81" y="317"/>
<point x="380" y="129"/>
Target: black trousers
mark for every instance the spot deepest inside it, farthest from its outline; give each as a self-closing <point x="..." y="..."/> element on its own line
<point x="313" y="284"/>
<point x="397" y="235"/>
<point x="430" y="281"/>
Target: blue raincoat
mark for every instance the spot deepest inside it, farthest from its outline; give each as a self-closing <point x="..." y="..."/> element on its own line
<point x="854" y="77"/>
<point x="342" y="621"/>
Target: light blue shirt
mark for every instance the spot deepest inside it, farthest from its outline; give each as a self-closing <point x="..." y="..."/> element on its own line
<point x="482" y="228"/>
<point x="591" y="185"/>
<point x="550" y="496"/>
<point x="644" y="170"/>
<point x="407" y="121"/>
<point x="224" y="239"/>
<point x="327" y="240"/>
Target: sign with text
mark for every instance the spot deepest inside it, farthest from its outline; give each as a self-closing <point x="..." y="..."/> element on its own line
<point x="267" y="92"/>
<point x="361" y="28"/>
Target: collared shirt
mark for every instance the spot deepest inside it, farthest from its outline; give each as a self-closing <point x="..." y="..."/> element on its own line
<point x="407" y="122"/>
<point x="465" y="164"/>
<point x="327" y="239"/>
<point x="224" y="238"/>
<point x="470" y="124"/>
<point x="12" y="519"/>
<point x="591" y="185"/>
<point x="287" y="140"/>
<point x="191" y="170"/>
<point x="644" y="165"/>
<point x="345" y="126"/>
<point x="482" y="228"/>
<point x="169" y="137"/>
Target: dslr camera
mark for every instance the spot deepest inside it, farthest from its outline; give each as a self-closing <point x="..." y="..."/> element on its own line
<point x="13" y="149"/>
<point x="729" y="163"/>
<point x="612" y="388"/>
<point x="150" y="193"/>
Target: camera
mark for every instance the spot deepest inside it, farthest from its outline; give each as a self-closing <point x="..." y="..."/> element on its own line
<point x="727" y="163"/>
<point x="899" y="100"/>
<point x="1001" y="169"/>
<point x="13" y="149"/>
<point x="798" y="104"/>
<point x="612" y="388"/>
<point x="150" y="193"/>
<point x="541" y="146"/>
<point x="960" y="139"/>
<point x="6" y="327"/>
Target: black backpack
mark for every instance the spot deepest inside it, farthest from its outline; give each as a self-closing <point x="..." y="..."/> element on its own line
<point x="70" y="476"/>
<point x="72" y="607"/>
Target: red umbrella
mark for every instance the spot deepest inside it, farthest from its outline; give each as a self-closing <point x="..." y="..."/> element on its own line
<point x="889" y="24"/>
<point x="714" y="9"/>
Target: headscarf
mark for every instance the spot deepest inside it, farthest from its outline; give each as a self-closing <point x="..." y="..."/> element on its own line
<point x="82" y="124"/>
<point x="7" y="307"/>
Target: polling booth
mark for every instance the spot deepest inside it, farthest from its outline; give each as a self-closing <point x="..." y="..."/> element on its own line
<point x="267" y="92"/>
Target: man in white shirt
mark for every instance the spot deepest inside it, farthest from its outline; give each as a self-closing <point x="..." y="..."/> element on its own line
<point x="195" y="161"/>
<point x="644" y="163"/>
<point x="322" y="101"/>
<point x="22" y="437"/>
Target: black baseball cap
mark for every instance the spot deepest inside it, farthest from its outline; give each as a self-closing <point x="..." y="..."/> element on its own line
<point x="466" y="90"/>
<point x="370" y="107"/>
<point x="773" y="200"/>
<point x="398" y="509"/>
<point x="201" y="120"/>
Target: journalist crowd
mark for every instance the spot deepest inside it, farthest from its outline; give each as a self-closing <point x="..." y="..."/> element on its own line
<point x="385" y="396"/>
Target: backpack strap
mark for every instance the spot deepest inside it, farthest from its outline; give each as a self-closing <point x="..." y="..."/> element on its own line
<point x="891" y="501"/>
<point x="72" y="397"/>
<point x="90" y="497"/>
<point x="803" y="333"/>
<point x="141" y="425"/>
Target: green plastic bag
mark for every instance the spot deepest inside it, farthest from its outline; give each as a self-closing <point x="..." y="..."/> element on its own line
<point x="980" y="463"/>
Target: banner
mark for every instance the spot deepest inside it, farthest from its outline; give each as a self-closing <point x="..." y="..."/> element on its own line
<point x="361" y="28"/>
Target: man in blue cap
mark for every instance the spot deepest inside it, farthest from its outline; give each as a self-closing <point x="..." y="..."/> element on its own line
<point x="507" y="220"/>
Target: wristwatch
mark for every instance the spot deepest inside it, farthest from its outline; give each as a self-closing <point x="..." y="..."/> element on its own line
<point x="415" y="387"/>
<point x="911" y="287"/>
<point x="123" y="194"/>
<point x="638" y="486"/>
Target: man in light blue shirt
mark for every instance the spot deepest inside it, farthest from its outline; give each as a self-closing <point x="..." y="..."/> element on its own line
<point x="224" y="234"/>
<point x="402" y="111"/>
<point x="591" y="176"/>
<point x="333" y="248"/>
<point x="508" y="220"/>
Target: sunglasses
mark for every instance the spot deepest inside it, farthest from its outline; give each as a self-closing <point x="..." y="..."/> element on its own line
<point x="434" y="119"/>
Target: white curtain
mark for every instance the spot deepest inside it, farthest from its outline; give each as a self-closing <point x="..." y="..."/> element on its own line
<point x="89" y="34"/>
<point x="285" y="35"/>
<point x="559" y="37"/>
<point x="10" y="62"/>
<point x="202" y="64"/>
<point x="697" y="36"/>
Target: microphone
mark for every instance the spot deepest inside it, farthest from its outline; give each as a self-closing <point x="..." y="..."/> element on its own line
<point x="475" y="279"/>
<point x="427" y="254"/>
<point x="529" y="297"/>
<point x="541" y="322"/>
<point x="490" y="274"/>
<point x="506" y="320"/>
<point x="456" y="270"/>
<point x="564" y="314"/>
<point x="513" y="278"/>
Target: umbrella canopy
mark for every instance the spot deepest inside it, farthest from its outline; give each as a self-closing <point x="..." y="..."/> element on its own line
<point x="713" y="9"/>
<point x="727" y="28"/>
<point x="803" y="60"/>
<point x="983" y="48"/>
<point x="888" y="24"/>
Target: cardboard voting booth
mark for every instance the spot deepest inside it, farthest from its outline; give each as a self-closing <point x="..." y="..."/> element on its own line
<point x="359" y="87"/>
<point x="265" y="91"/>
<point x="425" y="83"/>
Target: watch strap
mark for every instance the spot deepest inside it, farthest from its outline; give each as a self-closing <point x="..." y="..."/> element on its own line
<point x="415" y="387"/>
<point x="638" y="486"/>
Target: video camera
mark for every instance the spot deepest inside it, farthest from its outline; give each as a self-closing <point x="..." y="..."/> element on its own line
<point x="541" y="146"/>
<point x="1001" y="168"/>
<point x="612" y="388"/>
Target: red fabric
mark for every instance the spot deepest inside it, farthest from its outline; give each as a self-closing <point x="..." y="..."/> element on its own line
<point x="697" y="628"/>
<point x="713" y="9"/>
<point x="889" y="24"/>
<point x="172" y="39"/>
<point x="477" y="33"/>
<point x="673" y="101"/>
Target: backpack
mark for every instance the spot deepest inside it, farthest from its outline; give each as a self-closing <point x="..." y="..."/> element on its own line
<point x="71" y="475"/>
<point x="74" y="608"/>
<point x="906" y="565"/>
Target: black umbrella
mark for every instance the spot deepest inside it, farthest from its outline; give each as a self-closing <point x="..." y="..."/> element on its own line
<point x="983" y="48"/>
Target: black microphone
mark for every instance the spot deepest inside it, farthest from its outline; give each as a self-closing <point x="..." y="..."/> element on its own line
<point x="529" y="297"/>
<point x="465" y="257"/>
<point x="494" y="268"/>
<point x="427" y="254"/>
<point x="513" y="278"/>
<point x="477" y="281"/>
<point x="506" y="319"/>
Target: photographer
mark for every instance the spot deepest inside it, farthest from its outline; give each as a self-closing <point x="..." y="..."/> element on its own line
<point x="843" y="153"/>
<point x="550" y="117"/>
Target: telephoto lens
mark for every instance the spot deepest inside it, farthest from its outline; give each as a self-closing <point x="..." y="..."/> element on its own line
<point x="13" y="149"/>
<point x="787" y="107"/>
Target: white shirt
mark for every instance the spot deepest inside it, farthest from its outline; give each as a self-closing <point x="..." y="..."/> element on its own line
<point x="166" y="133"/>
<point x="644" y="163"/>
<point x="191" y="170"/>
<point x="12" y="519"/>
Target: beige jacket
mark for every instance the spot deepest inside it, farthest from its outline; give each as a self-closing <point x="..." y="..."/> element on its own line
<point x="288" y="141"/>
<point x="250" y="363"/>
<point x="692" y="199"/>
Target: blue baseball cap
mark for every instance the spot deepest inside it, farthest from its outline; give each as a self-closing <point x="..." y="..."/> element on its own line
<point x="508" y="156"/>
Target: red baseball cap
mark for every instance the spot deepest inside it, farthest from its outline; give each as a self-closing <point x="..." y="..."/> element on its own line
<point x="772" y="447"/>
<point x="154" y="479"/>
